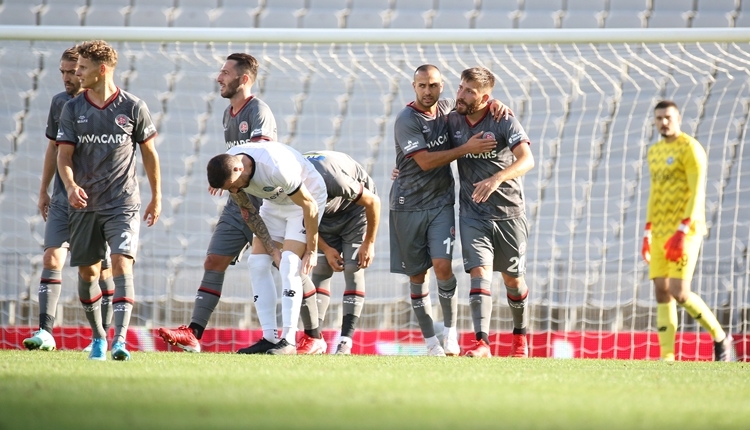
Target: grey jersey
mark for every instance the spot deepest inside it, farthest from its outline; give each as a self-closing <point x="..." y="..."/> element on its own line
<point x="415" y="189"/>
<point x="105" y="141"/>
<point x="59" y="196"/>
<point x="253" y="121"/>
<point x="507" y="201"/>
<point x="345" y="181"/>
<point x="279" y="171"/>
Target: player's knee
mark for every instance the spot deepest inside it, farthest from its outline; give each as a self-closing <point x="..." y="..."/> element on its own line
<point x="217" y="263"/>
<point x="443" y="268"/>
<point x="512" y="282"/>
<point x="257" y="262"/>
<point x="52" y="260"/>
<point x="418" y="279"/>
<point x="121" y="264"/>
<point x="290" y="263"/>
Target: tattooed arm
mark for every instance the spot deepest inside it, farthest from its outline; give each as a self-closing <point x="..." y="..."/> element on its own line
<point x="257" y="226"/>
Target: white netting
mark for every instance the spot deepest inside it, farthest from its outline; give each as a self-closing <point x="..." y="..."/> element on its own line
<point x="587" y="107"/>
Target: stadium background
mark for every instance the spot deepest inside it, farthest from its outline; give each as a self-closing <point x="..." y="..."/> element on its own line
<point x="587" y="109"/>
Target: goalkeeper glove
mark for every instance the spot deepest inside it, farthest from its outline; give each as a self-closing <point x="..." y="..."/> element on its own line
<point x="676" y="243"/>
<point x="646" y="248"/>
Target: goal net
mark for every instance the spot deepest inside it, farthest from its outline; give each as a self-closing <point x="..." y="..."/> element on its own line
<point x="585" y="98"/>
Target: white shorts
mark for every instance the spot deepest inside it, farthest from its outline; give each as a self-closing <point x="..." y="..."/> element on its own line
<point x="287" y="222"/>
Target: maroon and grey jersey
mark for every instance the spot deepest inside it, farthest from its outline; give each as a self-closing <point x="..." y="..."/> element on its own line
<point x="105" y="141"/>
<point x="507" y="201"/>
<point x="253" y="121"/>
<point x="415" y="189"/>
<point x="345" y="181"/>
<point x="59" y="196"/>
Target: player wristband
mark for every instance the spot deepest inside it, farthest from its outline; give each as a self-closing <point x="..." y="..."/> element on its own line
<point x="684" y="226"/>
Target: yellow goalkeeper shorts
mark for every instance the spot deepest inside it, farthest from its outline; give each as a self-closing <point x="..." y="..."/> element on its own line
<point x="660" y="267"/>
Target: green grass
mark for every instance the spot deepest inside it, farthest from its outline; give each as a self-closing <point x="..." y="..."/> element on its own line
<point x="60" y="390"/>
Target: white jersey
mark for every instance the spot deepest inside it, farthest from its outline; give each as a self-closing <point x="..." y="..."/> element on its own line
<point x="279" y="171"/>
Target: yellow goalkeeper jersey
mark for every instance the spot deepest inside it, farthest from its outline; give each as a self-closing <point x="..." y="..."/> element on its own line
<point x="678" y="186"/>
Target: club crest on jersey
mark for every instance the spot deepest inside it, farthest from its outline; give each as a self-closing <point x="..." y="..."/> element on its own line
<point x="268" y="189"/>
<point x="243" y="127"/>
<point x="488" y="135"/>
<point x="121" y="120"/>
<point x="670" y="160"/>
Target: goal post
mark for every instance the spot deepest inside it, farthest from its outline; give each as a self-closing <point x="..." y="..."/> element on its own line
<point x="585" y="97"/>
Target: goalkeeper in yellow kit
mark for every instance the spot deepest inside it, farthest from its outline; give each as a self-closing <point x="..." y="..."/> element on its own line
<point x="675" y="226"/>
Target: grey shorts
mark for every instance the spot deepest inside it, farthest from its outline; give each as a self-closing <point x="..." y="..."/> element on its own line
<point x="232" y="235"/>
<point x="497" y="244"/>
<point x="418" y="237"/>
<point x="91" y="232"/>
<point x="347" y="229"/>
<point x="56" y="233"/>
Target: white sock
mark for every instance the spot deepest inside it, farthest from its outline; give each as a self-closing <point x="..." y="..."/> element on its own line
<point x="291" y="296"/>
<point x="264" y="291"/>
<point x="271" y="335"/>
<point x="431" y="341"/>
<point x="450" y="333"/>
<point x="346" y="339"/>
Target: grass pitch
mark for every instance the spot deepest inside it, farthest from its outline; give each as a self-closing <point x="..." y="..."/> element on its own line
<point x="61" y="390"/>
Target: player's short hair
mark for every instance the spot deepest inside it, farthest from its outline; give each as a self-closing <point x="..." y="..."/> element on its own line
<point x="664" y="104"/>
<point x="219" y="170"/>
<point x="99" y="52"/>
<point x="426" y="68"/>
<point x="245" y="64"/>
<point x="70" y="54"/>
<point x="482" y="76"/>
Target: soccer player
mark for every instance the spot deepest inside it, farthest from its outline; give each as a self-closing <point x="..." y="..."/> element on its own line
<point x="292" y="191"/>
<point x="422" y="224"/>
<point x="675" y="226"/>
<point x="346" y="243"/>
<point x="492" y="216"/>
<point x="55" y="213"/>
<point x="97" y="140"/>
<point x="246" y="119"/>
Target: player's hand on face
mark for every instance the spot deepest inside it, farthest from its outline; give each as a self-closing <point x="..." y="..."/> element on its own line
<point x="499" y="110"/>
<point x="335" y="260"/>
<point x="153" y="210"/>
<point x="77" y="197"/>
<point x="365" y="255"/>
<point x="477" y="145"/>
<point x="43" y="204"/>
<point x="484" y="189"/>
<point x="215" y="191"/>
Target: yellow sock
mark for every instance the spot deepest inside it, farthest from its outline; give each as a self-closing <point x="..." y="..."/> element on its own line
<point x="666" y="324"/>
<point x="698" y="309"/>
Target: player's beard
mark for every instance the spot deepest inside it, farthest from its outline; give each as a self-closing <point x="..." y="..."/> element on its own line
<point x="72" y="89"/>
<point x="231" y="88"/>
<point x="466" y="109"/>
